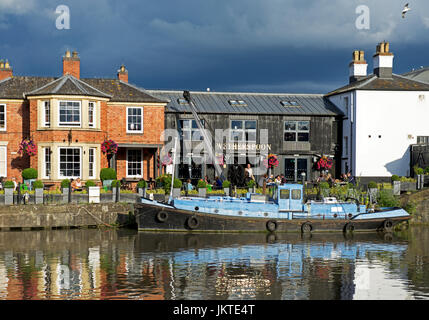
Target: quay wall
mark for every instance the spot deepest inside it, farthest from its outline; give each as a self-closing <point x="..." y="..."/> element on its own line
<point x="28" y="217"/>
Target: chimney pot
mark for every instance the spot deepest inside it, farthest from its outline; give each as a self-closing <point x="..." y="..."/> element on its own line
<point x="5" y="70"/>
<point x="383" y="61"/>
<point x="123" y="74"/>
<point x="358" y="67"/>
<point x="71" y="64"/>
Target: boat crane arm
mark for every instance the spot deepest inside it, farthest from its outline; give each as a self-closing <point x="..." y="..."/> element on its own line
<point x="206" y="139"/>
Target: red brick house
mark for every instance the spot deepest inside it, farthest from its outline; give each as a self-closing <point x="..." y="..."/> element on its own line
<point x="69" y="118"/>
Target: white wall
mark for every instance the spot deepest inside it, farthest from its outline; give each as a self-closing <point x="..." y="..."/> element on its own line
<point x="398" y="117"/>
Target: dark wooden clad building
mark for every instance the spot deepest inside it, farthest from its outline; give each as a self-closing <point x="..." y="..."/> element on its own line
<point x="300" y="129"/>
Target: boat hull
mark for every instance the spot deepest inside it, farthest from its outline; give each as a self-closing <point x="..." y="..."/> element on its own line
<point x="155" y="218"/>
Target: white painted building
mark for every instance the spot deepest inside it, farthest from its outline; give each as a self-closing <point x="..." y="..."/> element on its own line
<point x="385" y="114"/>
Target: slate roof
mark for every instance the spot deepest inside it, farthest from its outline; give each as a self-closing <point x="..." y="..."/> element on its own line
<point x="122" y="91"/>
<point x="18" y="87"/>
<point x="372" y="82"/>
<point x="419" y="75"/>
<point x="257" y="103"/>
<point x="67" y="85"/>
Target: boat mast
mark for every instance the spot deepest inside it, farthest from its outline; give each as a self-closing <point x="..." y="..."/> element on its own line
<point x="172" y="173"/>
<point x="206" y="139"/>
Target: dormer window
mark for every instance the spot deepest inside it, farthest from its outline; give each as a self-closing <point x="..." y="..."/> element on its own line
<point x="289" y="103"/>
<point x="182" y="101"/>
<point x="237" y="103"/>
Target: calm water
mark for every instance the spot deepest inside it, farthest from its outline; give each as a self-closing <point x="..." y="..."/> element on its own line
<point x="111" y="264"/>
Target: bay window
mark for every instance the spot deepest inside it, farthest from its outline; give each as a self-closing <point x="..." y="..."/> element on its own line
<point x="69" y="113"/>
<point x="70" y="163"/>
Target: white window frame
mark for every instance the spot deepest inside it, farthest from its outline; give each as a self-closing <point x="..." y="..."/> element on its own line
<point x="5" y="161"/>
<point x="46" y="149"/>
<point x="94" y="163"/>
<point x="142" y="118"/>
<point x="91" y="124"/>
<point x="192" y="132"/>
<point x="5" y="117"/>
<point x="69" y="124"/>
<point x="46" y="104"/>
<point x="59" y="163"/>
<point x="141" y="163"/>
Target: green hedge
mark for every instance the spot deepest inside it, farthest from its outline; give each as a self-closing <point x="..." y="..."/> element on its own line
<point x="201" y="184"/>
<point x="116" y="182"/>
<point x="251" y="183"/>
<point x="226" y="184"/>
<point x="29" y="173"/>
<point x="65" y="183"/>
<point x="90" y="183"/>
<point x="9" y="184"/>
<point x="38" y="184"/>
<point x="141" y="184"/>
<point x="107" y="174"/>
<point x="372" y="185"/>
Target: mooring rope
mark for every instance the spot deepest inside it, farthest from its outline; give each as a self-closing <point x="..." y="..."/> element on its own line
<point x="95" y="217"/>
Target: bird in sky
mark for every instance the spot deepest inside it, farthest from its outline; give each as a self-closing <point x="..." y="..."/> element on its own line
<point x="405" y="10"/>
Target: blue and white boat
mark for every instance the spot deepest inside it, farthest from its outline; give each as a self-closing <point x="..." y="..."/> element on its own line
<point x="285" y="211"/>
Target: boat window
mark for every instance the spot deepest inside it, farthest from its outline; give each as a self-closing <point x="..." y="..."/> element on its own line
<point x="296" y="194"/>
<point x="284" y="194"/>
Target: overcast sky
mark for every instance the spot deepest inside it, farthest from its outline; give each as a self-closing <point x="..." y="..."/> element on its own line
<point x="226" y="45"/>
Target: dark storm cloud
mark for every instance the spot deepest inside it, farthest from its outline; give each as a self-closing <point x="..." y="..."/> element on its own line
<point x="242" y="45"/>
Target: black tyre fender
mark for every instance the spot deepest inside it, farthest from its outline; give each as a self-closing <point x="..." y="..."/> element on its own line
<point x="349" y="227"/>
<point x="306" y="227"/>
<point x="271" y="225"/>
<point x="192" y="222"/>
<point x="162" y="216"/>
<point x="388" y="224"/>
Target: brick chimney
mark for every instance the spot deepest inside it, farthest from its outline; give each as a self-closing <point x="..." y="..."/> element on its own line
<point x="383" y="61"/>
<point x="5" y="70"/>
<point x="123" y="74"/>
<point x="71" y="64"/>
<point x="358" y="67"/>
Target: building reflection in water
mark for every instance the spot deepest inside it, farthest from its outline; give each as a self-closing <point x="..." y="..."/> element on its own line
<point x="110" y="264"/>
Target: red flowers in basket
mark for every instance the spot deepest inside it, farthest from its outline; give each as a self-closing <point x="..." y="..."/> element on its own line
<point x="271" y="161"/>
<point x="324" y="163"/>
<point x="27" y="146"/>
<point x="109" y="147"/>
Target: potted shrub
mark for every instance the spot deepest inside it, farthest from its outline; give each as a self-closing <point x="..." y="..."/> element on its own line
<point x="93" y="191"/>
<point x="38" y="191"/>
<point x="396" y="182"/>
<point x="251" y="185"/>
<point x="226" y="185"/>
<point x="29" y="175"/>
<point x="372" y="191"/>
<point x="202" y="188"/>
<point x="177" y="185"/>
<point x="107" y="175"/>
<point x="9" y="187"/>
<point x="324" y="188"/>
<point x="116" y="183"/>
<point x="65" y="186"/>
<point x="141" y="188"/>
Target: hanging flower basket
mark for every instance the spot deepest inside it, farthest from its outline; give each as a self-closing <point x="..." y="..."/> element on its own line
<point x="27" y="147"/>
<point x="109" y="147"/>
<point x="324" y="163"/>
<point x="167" y="160"/>
<point x="271" y="161"/>
<point x="220" y="159"/>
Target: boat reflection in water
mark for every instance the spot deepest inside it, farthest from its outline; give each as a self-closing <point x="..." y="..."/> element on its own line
<point x="109" y="264"/>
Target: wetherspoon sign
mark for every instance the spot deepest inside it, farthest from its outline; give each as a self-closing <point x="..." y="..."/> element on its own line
<point x="244" y="146"/>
